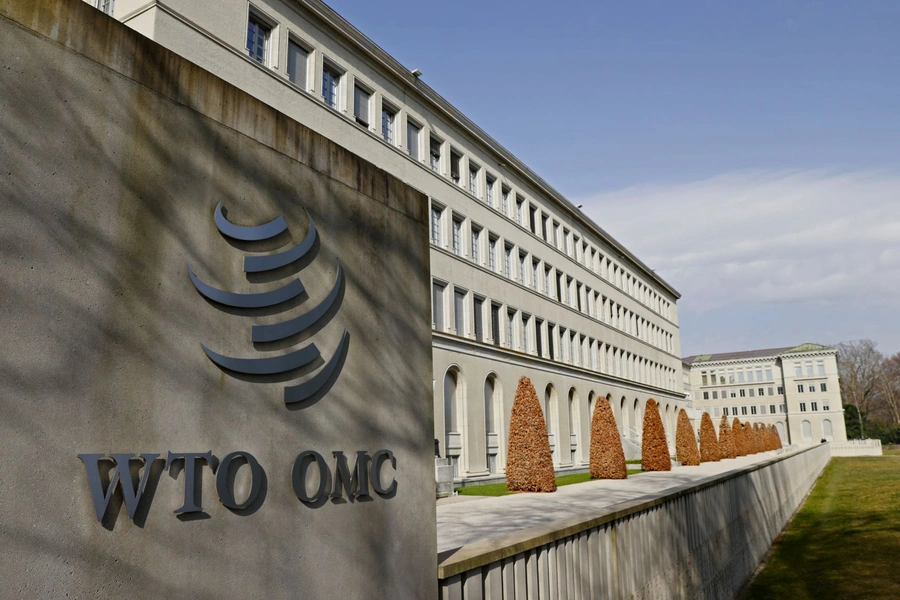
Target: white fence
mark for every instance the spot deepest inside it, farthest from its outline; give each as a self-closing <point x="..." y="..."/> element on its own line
<point x="856" y="448"/>
<point x="698" y="541"/>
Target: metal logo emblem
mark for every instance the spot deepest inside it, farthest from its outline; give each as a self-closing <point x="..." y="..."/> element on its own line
<point x="299" y="357"/>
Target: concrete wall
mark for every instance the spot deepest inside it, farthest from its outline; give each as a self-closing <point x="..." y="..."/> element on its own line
<point x="114" y="153"/>
<point x="698" y="541"/>
<point x="856" y="448"/>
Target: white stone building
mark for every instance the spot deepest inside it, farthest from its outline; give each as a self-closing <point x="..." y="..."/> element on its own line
<point x="523" y="282"/>
<point x="794" y="388"/>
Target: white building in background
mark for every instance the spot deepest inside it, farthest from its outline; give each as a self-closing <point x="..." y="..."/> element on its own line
<point x="794" y="388"/>
<point x="523" y="282"/>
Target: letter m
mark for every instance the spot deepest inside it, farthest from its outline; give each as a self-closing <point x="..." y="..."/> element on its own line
<point x="120" y="462"/>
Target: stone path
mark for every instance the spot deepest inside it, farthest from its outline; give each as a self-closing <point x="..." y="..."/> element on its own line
<point x="461" y="522"/>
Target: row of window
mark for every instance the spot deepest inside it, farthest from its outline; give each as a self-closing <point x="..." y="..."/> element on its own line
<point x="444" y="159"/>
<point x="738" y="375"/>
<point x="819" y="370"/>
<point x="823" y="387"/>
<point x="469" y="240"/>
<point x="743" y="411"/>
<point x="814" y="406"/>
<point x="477" y="317"/>
<point x="742" y="393"/>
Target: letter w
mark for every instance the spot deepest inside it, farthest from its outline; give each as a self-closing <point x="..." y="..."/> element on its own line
<point x="131" y="496"/>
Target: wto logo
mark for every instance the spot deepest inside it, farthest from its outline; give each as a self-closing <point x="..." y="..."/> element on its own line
<point x="300" y="357"/>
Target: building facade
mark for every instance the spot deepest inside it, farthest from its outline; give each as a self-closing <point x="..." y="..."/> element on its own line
<point x="794" y="388"/>
<point x="523" y="283"/>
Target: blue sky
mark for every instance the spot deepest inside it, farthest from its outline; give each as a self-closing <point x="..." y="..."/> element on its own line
<point x="750" y="152"/>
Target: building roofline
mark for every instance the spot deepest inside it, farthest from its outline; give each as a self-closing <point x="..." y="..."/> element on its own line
<point x="762" y="353"/>
<point x="328" y="16"/>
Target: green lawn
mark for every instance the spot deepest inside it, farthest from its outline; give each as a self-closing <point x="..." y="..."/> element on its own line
<point x="499" y="489"/>
<point x="845" y="541"/>
<point x="891" y="450"/>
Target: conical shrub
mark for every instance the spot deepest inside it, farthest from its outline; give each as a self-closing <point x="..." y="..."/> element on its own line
<point x="685" y="442"/>
<point x="749" y="445"/>
<point x="529" y="464"/>
<point x="654" y="449"/>
<point x="726" y="439"/>
<point x="737" y="431"/>
<point x="757" y="439"/>
<point x="709" y="444"/>
<point x="607" y="457"/>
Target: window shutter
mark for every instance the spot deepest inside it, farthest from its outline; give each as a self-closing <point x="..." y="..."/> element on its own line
<point x="361" y="104"/>
<point x="297" y="61"/>
<point x="458" y="299"/>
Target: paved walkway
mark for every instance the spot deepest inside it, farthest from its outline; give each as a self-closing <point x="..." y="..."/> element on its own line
<point x="462" y="522"/>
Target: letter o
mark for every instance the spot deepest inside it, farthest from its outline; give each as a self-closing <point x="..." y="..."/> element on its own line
<point x="298" y="475"/>
<point x="225" y="488"/>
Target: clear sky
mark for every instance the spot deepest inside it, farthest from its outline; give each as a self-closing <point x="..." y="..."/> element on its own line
<point x="747" y="151"/>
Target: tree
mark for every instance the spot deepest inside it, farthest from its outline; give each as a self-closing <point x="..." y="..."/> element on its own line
<point x="726" y="439"/>
<point x="654" y="448"/>
<point x="859" y="368"/>
<point x="889" y="386"/>
<point x="529" y="463"/>
<point x="607" y="457"/>
<point x="709" y="444"/>
<point x="685" y="442"/>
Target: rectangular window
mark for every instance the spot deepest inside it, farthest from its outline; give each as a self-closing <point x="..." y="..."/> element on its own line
<point x="504" y="202"/>
<point x="106" y="6"/>
<point x="800" y="388"/>
<point x="539" y="337"/>
<point x="803" y="407"/>
<point x="759" y="375"/>
<point x="520" y="204"/>
<point x="476" y="242"/>
<point x="551" y="341"/>
<point x="436" y="214"/>
<point x="492" y="254"/>
<point x="532" y="220"/>
<point x="459" y="313"/>
<point x="771" y="409"/>
<point x="820" y="366"/>
<point x="753" y="410"/>
<point x="761" y="392"/>
<point x="725" y="410"/>
<point x="752" y="392"/>
<point x="489" y="190"/>
<point x="298" y="59"/>
<point x="823" y="387"/>
<point x="812" y="388"/>
<point x="743" y="410"/>
<point x="455" y="160"/>
<point x="825" y="407"/>
<point x="361" y="105"/>
<point x="388" y="117"/>
<point x="510" y="321"/>
<point x="457" y="236"/>
<point x="258" y="40"/>
<point x="331" y="83"/>
<point x="706" y="395"/>
<point x="815" y="406"/>
<point x="783" y="408"/>
<point x="523" y="333"/>
<point x="412" y="139"/>
<point x="507" y="262"/>
<point x="547" y="280"/>
<point x="495" y="324"/>
<point x="434" y="154"/>
<point x="768" y="374"/>
<point x="522" y="259"/>
<point x="535" y="274"/>
<point x="478" y="317"/>
<point x="798" y="370"/>
<point x="703" y="378"/>
<point x="740" y="376"/>
<point x="473" y="179"/>
<point x="809" y="368"/>
<point x="743" y="393"/>
<point x="437" y="306"/>
<point x="716" y="395"/>
<point x="780" y="390"/>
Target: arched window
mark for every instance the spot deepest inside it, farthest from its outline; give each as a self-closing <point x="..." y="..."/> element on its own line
<point x="827" y="431"/>
<point x="551" y="418"/>
<point x="637" y="417"/>
<point x="573" y="425"/>
<point x="493" y="422"/>
<point x="623" y="411"/>
<point x="592" y="403"/>
<point x="451" y="408"/>
<point x="806" y="431"/>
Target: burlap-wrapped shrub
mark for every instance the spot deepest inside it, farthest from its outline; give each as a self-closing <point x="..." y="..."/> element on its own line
<point x="758" y="445"/>
<point x="654" y="449"/>
<point x="709" y="444"/>
<point x="737" y="432"/>
<point x="726" y="439"/>
<point x="529" y="464"/>
<point x="607" y="457"/>
<point x="685" y="442"/>
<point x="748" y="438"/>
<point x="778" y="444"/>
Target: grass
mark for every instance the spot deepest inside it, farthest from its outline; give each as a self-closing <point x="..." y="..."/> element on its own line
<point x="499" y="489"/>
<point x="891" y="450"/>
<point x="845" y="541"/>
